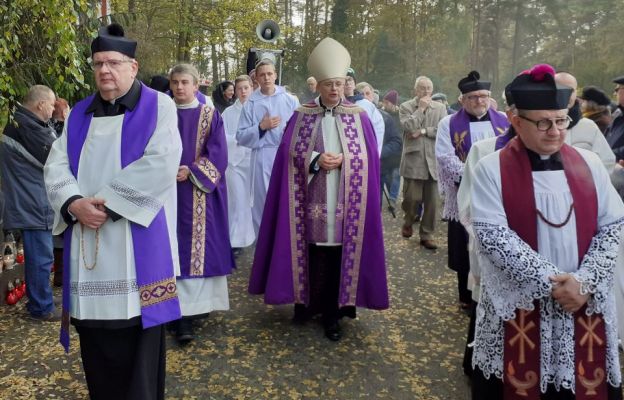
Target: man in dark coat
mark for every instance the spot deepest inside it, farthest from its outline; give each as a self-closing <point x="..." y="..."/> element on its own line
<point x="615" y="133"/>
<point x="24" y="149"/>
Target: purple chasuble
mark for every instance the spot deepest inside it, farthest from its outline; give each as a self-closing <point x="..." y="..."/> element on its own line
<point x="153" y="263"/>
<point x="202" y="216"/>
<point x="459" y="129"/>
<point x="280" y="267"/>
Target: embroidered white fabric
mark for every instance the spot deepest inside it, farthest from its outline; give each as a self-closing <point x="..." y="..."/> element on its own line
<point x="516" y="275"/>
<point x="450" y="171"/>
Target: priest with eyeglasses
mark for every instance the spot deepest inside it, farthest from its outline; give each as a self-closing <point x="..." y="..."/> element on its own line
<point x="547" y="221"/>
<point x="111" y="180"/>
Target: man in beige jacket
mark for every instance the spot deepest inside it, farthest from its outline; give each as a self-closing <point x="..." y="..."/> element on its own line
<point x="419" y="121"/>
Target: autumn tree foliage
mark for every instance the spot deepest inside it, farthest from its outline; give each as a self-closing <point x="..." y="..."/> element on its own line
<point x="43" y="42"/>
<point x="391" y="41"/>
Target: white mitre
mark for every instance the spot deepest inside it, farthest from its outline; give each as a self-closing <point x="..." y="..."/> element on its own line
<point x="329" y="60"/>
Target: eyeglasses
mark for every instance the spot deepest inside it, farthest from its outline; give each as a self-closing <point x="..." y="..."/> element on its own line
<point x="545" y="124"/>
<point x="617" y="89"/>
<point x="111" y="64"/>
<point x="481" y="97"/>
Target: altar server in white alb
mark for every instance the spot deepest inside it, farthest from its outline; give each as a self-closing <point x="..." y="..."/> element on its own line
<point x="547" y="221"/>
<point x="238" y="172"/>
<point x="261" y="126"/>
<point x="111" y="180"/>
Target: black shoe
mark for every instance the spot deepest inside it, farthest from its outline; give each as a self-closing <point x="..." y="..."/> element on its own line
<point x="185" y="331"/>
<point x="53" y="316"/>
<point x="237" y="251"/>
<point x="332" y="332"/>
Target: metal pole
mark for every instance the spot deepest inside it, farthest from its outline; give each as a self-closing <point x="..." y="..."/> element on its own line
<point x="280" y="72"/>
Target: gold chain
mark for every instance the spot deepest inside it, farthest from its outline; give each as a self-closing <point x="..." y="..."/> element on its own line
<point x="82" y="246"/>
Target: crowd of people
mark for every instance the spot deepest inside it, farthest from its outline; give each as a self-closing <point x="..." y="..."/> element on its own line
<point x="152" y="191"/>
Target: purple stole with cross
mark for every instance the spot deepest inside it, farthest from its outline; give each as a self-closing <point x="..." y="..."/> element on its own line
<point x="154" y="264"/>
<point x="459" y="129"/>
<point x="522" y="334"/>
<point x="280" y="267"/>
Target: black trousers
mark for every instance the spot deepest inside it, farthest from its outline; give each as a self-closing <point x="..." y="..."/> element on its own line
<point x="492" y="389"/>
<point x="125" y="363"/>
<point x="458" y="258"/>
<point x="467" y="363"/>
<point x="324" y="274"/>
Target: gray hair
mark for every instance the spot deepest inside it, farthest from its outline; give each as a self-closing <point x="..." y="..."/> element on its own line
<point x="185" y="69"/>
<point x="38" y="93"/>
<point x="422" y="78"/>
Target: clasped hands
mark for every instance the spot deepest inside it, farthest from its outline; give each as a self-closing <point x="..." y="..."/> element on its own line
<point x="329" y="161"/>
<point x="89" y="211"/>
<point x="567" y="292"/>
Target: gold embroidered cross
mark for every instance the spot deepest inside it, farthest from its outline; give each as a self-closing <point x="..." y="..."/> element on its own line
<point x="317" y="211"/>
<point x="522" y="336"/>
<point x="590" y="336"/>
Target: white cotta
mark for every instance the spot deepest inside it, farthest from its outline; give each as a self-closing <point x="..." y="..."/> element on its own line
<point x="513" y="275"/>
<point x="618" y="289"/>
<point x="477" y="152"/>
<point x="450" y="167"/>
<point x="137" y="193"/>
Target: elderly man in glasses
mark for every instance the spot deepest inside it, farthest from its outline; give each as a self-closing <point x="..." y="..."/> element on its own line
<point x="475" y="121"/>
<point x="615" y="132"/>
<point x="547" y="221"/>
<point x="111" y="180"/>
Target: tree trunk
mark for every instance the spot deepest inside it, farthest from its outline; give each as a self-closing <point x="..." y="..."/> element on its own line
<point x="515" y="54"/>
<point x="215" y="62"/>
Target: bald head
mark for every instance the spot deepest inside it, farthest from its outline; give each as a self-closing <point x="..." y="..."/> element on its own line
<point x="40" y="101"/>
<point x="568" y="80"/>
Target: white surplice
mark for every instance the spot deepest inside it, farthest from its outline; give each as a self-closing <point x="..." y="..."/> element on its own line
<point x="477" y="152"/>
<point x="109" y="291"/>
<point x="450" y="167"/>
<point x="238" y="177"/>
<point x="263" y="148"/>
<point x="513" y="275"/>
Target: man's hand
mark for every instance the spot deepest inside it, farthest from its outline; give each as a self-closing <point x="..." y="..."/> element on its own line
<point x="329" y="161"/>
<point x="423" y="103"/>
<point x="567" y="292"/>
<point x="183" y="173"/>
<point x="415" y="135"/>
<point x="269" y="122"/>
<point x="89" y="211"/>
